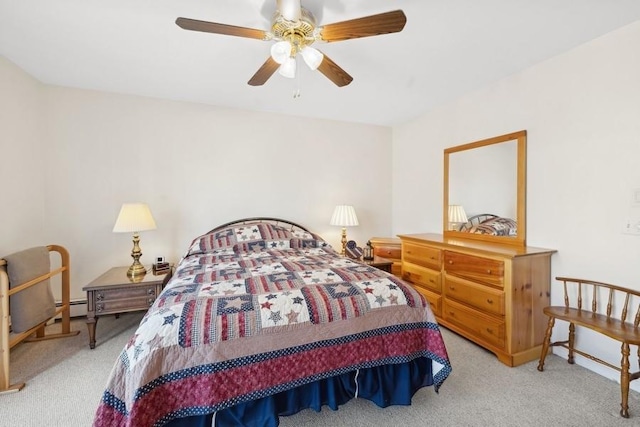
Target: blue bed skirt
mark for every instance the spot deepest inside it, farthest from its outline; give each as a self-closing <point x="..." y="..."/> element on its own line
<point x="384" y="385"/>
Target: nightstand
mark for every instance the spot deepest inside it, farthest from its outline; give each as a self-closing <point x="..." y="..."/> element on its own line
<point x="114" y="293"/>
<point x="390" y="248"/>
<point x="383" y="264"/>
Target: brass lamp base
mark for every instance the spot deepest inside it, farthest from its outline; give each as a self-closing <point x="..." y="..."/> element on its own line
<point x="344" y="242"/>
<point x="136" y="269"/>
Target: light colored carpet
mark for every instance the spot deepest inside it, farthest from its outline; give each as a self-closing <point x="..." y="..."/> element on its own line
<point x="65" y="380"/>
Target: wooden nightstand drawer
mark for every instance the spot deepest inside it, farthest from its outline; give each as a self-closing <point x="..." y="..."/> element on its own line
<point x="124" y="299"/>
<point x="388" y="252"/>
<point x="422" y="255"/>
<point x="390" y="248"/>
<point x="482" y="326"/>
<point x="485" y="298"/>
<point x="474" y="268"/>
<point x="421" y="276"/>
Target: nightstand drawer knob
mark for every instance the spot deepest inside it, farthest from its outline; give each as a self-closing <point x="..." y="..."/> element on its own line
<point x="99" y="296"/>
<point x="151" y="291"/>
<point x="99" y="307"/>
<point x="150" y="301"/>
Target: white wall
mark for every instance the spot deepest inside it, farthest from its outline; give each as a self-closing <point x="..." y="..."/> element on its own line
<point x="196" y="166"/>
<point x="582" y="114"/>
<point x="22" y="172"/>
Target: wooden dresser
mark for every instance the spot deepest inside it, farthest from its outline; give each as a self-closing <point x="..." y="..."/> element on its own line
<point x="389" y="248"/>
<point x="490" y="293"/>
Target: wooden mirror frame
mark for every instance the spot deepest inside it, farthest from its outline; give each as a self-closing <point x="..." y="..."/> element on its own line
<point x="520" y="239"/>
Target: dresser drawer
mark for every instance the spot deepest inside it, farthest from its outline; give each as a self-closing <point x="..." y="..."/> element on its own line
<point x="474" y="268"/>
<point x="390" y="252"/>
<point x="422" y="277"/>
<point x="435" y="301"/>
<point x="485" y="298"/>
<point x="422" y="255"/>
<point x="483" y="327"/>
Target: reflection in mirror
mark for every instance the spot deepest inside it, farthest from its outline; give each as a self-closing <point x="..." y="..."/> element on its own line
<point x="484" y="180"/>
<point x="487" y="178"/>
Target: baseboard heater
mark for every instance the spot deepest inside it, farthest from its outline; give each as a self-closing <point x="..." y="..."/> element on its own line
<point x="77" y="308"/>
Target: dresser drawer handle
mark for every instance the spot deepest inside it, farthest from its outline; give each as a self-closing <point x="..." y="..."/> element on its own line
<point x="432" y="281"/>
<point x="488" y="271"/>
<point x="453" y="288"/>
<point x="450" y="262"/>
<point x="489" y="300"/>
<point x="452" y="314"/>
<point x="490" y="331"/>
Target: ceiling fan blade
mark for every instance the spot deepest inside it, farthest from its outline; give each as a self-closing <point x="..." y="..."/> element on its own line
<point x="262" y="75"/>
<point x="334" y="73"/>
<point x="374" y="25"/>
<point x="214" y="27"/>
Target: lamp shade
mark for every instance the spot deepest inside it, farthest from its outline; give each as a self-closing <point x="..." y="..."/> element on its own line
<point x="281" y="51"/>
<point x="134" y="217"/>
<point x="312" y="57"/>
<point x="344" y="216"/>
<point x="457" y="214"/>
<point x="288" y="68"/>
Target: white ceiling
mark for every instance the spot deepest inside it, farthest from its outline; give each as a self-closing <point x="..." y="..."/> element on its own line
<point x="447" y="48"/>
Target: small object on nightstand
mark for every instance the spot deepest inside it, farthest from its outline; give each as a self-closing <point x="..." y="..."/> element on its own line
<point x="161" y="268"/>
<point x="352" y="250"/>
<point x="367" y="253"/>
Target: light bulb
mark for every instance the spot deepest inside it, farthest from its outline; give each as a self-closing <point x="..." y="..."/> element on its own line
<point x="288" y="68"/>
<point x="281" y="51"/>
<point x="312" y="57"/>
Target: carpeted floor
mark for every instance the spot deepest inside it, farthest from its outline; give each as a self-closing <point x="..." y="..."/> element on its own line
<point x="65" y="380"/>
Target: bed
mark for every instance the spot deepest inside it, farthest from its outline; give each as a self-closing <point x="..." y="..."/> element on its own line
<point x="490" y="224"/>
<point x="261" y="319"/>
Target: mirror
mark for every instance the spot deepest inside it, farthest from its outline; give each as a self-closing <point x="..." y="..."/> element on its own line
<point x="488" y="177"/>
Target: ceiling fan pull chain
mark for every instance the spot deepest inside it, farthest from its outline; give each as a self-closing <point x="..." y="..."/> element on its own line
<point x="297" y="82"/>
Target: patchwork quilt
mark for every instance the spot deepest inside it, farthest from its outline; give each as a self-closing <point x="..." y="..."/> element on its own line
<point x="253" y="310"/>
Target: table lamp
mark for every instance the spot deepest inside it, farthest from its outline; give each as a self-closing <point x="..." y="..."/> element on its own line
<point x="457" y="216"/>
<point x="133" y="218"/>
<point x="344" y="216"/>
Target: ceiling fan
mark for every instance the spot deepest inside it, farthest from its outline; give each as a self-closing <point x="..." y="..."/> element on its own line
<point x="294" y="30"/>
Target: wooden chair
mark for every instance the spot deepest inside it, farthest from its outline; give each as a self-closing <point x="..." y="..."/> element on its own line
<point x="7" y="340"/>
<point x="612" y="323"/>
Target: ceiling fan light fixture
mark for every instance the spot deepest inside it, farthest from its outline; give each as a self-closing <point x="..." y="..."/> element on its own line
<point x="312" y="57"/>
<point x="288" y="68"/>
<point x="281" y="51"/>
